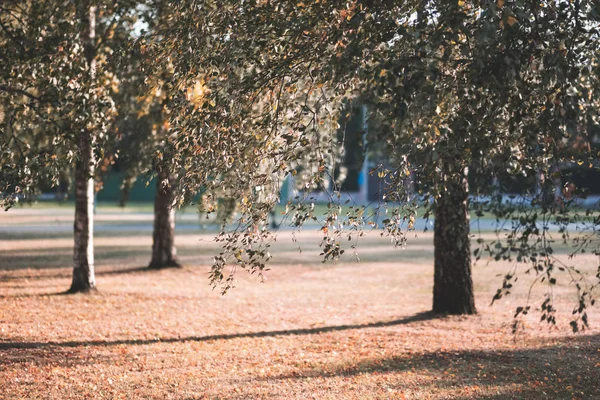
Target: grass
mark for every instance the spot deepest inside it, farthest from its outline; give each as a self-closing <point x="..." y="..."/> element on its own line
<point x="102" y="205"/>
<point x="320" y="209"/>
<point x="326" y="331"/>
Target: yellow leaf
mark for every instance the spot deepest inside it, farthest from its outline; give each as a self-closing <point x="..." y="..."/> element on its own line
<point x="500" y="3"/>
<point x="197" y="93"/>
<point x="383" y="73"/>
<point x="238" y="255"/>
<point x="511" y="20"/>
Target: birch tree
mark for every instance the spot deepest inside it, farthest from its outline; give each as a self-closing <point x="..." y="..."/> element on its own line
<point x="56" y="85"/>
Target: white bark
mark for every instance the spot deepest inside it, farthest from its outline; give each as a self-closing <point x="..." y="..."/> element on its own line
<point x="84" y="278"/>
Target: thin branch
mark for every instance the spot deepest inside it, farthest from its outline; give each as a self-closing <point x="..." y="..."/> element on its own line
<point x="21" y="91"/>
<point x="13" y="38"/>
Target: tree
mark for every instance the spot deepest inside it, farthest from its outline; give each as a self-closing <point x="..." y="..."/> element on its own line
<point x="143" y="126"/>
<point x="83" y="257"/>
<point x="164" y="253"/>
<point x="57" y="86"/>
<point x="484" y="85"/>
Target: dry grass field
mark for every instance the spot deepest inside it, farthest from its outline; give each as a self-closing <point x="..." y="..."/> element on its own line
<point x="325" y="331"/>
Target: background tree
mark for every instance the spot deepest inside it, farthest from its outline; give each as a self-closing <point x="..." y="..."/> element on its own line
<point x="496" y="85"/>
<point x="144" y="129"/>
<point x="143" y="126"/>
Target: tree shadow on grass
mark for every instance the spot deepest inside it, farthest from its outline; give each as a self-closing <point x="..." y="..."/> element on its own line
<point x="68" y="275"/>
<point x="45" y="259"/>
<point x="125" y="271"/>
<point x="569" y="369"/>
<point x="422" y="316"/>
<point x="63" y="357"/>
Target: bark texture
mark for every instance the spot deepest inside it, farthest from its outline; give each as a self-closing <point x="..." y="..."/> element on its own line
<point x="83" y="256"/>
<point x="453" y="284"/>
<point x="84" y="279"/>
<point x="164" y="252"/>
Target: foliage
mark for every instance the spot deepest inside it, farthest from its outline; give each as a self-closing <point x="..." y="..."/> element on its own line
<point x="498" y="87"/>
<point x="141" y="122"/>
<point x="46" y="95"/>
<point x="239" y="95"/>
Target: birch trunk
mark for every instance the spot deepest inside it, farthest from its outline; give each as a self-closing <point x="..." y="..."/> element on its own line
<point x="84" y="279"/>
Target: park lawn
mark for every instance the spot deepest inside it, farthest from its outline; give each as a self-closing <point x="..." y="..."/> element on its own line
<point x="107" y="207"/>
<point x="326" y="331"/>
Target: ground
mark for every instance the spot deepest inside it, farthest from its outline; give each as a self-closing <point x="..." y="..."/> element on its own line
<point x="351" y="330"/>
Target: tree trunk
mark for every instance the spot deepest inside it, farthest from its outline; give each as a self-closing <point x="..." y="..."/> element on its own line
<point x="84" y="279"/>
<point x="452" y="285"/>
<point x="83" y="256"/>
<point x="164" y="253"/>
